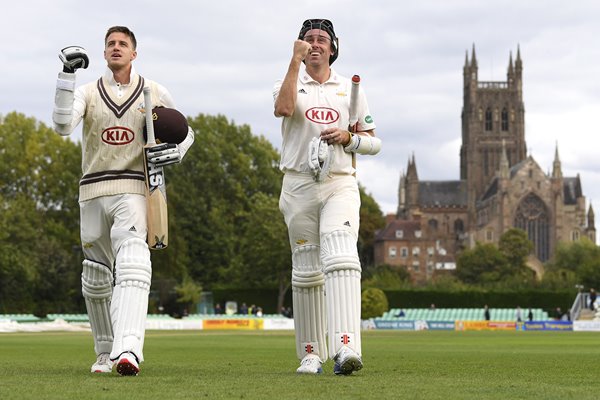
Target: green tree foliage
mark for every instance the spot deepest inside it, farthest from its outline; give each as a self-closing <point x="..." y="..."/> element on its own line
<point x="39" y="219"/>
<point x="211" y="196"/>
<point x="575" y="263"/>
<point x="371" y="220"/>
<point x="387" y="277"/>
<point x="515" y="246"/>
<point x="482" y="264"/>
<point x="374" y="303"/>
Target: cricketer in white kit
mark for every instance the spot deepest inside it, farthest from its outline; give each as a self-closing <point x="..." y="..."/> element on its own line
<point x="320" y="199"/>
<point x="117" y="270"/>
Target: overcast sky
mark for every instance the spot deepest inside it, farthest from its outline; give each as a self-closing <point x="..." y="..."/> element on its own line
<point x="222" y="57"/>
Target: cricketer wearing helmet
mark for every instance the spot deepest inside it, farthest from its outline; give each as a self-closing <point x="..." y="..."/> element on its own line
<point x="320" y="199"/>
<point x="117" y="269"/>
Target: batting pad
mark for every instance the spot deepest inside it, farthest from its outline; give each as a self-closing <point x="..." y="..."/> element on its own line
<point x="130" y="299"/>
<point x="342" y="286"/>
<point x="96" y="287"/>
<point x="309" y="302"/>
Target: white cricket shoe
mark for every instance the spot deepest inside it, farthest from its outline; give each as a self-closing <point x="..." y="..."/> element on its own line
<point x="310" y="364"/>
<point x="346" y="361"/>
<point x="103" y="364"/>
<point x="128" y="364"/>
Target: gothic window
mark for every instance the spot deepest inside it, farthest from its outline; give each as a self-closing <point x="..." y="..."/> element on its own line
<point x="459" y="226"/>
<point x="575" y="236"/>
<point x="404" y="252"/>
<point x="488" y="119"/>
<point x="433" y="224"/>
<point x="504" y="119"/>
<point x="489" y="235"/>
<point x="532" y="216"/>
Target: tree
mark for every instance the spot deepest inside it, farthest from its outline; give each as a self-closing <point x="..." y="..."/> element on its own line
<point x="371" y="220"/>
<point x="482" y="264"/>
<point x="515" y="247"/>
<point x="211" y="197"/>
<point x="39" y="174"/>
<point x="581" y="257"/>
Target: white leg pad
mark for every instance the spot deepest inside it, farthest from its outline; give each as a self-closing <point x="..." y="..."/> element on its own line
<point x="129" y="306"/>
<point x="96" y="287"/>
<point x="308" y="298"/>
<point x="342" y="286"/>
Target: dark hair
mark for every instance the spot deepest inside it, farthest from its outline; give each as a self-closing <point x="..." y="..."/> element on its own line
<point x="121" y="29"/>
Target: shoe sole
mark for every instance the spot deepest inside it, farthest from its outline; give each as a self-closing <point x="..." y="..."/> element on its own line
<point x="349" y="366"/>
<point x="319" y="371"/>
<point x="99" y="371"/>
<point x="125" y="368"/>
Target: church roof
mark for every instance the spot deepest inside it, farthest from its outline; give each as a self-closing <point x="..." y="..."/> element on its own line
<point x="408" y="228"/>
<point x="443" y="193"/>
<point x="491" y="190"/>
<point x="571" y="190"/>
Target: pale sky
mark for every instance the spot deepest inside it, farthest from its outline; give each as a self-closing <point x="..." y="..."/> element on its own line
<point x="224" y="57"/>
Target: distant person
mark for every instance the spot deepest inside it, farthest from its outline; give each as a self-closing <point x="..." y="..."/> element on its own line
<point x="486" y="313"/>
<point x="592" y="299"/>
<point x="432" y="307"/>
<point x="218" y="309"/>
<point x="259" y="312"/>
<point x="244" y="309"/>
<point x="401" y="314"/>
<point x="519" y="314"/>
<point x="530" y="315"/>
<point x="558" y="314"/>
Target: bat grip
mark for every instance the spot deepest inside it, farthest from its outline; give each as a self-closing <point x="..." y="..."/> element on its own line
<point x="151" y="140"/>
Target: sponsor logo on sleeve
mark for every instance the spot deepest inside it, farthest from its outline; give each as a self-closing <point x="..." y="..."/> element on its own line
<point x="369" y="119"/>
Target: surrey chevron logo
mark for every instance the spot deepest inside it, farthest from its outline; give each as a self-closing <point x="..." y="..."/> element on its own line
<point x="117" y="135"/>
<point x="322" y="115"/>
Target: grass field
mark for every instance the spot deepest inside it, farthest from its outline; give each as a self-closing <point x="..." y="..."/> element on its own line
<point x="261" y="365"/>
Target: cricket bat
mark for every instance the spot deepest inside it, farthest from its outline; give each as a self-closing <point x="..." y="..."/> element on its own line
<point x="353" y="121"/>
<point x="156" y="189"/>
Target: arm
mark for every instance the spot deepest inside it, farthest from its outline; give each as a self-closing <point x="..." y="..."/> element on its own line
<point x="69" y="105"/>
<point x="285" y="101"/>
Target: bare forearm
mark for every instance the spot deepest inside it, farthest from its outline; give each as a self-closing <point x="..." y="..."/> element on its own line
<point x="286" y="100"/>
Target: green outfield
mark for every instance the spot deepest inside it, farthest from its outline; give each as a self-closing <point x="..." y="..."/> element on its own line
<point x="261" y="365"/>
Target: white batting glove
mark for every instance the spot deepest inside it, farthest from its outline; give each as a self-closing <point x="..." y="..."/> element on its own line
<point x="164" y="154"/>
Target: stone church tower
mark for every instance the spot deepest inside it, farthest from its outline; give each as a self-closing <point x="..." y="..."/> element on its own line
<point x="493" y="113"/>
<point x="500" y="187"/>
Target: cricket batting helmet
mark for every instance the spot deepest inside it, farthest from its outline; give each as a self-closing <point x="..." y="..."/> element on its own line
<point x="324" y="25"/>
<point x="170" y="126"/>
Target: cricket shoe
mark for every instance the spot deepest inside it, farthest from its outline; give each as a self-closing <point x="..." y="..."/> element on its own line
<point x="128" y="364"/>
<point x="103" y="364"/>
<point x="310" y="364"/>
<point x="346" y="361"/>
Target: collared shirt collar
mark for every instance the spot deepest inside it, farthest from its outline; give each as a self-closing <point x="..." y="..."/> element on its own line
<point x="110" y="78"/>
<point x="333" y="77"/>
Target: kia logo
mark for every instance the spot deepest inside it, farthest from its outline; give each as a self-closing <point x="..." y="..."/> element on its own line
<point x="117" y="135"/>
<point x="322" y="115"/>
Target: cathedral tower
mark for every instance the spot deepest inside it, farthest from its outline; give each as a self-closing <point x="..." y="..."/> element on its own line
<point x="493" y="113"/>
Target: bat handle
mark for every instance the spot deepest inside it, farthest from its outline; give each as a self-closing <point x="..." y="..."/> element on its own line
<point x="151" y="140"/>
